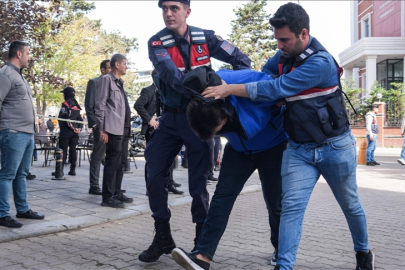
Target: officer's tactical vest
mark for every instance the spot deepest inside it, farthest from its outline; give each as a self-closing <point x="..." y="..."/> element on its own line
<point x="199" y="56"/>
<point x="315" y="114"/>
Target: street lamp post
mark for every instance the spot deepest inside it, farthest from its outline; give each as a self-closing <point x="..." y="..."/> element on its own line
<point x="379" y="96"/>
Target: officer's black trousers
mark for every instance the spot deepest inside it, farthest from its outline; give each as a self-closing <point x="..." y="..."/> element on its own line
<point x="68" y="138"/>
<point x="163" y="146"/>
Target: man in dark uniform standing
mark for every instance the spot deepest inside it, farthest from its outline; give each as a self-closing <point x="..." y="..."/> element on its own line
<point x="174" y="51"/>
<point x="69" y="132"/>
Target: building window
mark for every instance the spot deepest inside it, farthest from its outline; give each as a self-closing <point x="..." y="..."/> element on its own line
<point x="366" y="26"/>
<point x="389" y="71"/>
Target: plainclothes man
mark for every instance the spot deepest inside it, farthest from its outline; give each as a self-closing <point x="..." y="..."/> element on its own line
<point x="114" y="121"/>
<point x="98" y="153"/>
<point x="401" y="159"/>
<point x="17" y="128"/>
<point x="320" y="141"/>
<point x="371" y="131"/>
<point x="256" y="140"/>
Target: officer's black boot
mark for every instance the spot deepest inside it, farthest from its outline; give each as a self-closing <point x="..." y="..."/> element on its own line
<point x="163" y="242"/>
<point x="172" y="188"/>
<point x="72" y="170"/>
<point x="198" y="229"/>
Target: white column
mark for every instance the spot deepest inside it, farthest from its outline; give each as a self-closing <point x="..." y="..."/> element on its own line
<point x="356" y="76"/>
<point x="371" y="71"/>
<point x="348" y="74"/>
<point x="354" y="22"/>
<point x="403" y="19"/>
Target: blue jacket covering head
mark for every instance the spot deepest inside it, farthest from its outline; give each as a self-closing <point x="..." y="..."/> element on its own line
<point x="262" y="121"/>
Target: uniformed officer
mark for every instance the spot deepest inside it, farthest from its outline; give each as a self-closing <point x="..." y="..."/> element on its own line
<point x="69" y="132"/>
<point x="175" y="50"/>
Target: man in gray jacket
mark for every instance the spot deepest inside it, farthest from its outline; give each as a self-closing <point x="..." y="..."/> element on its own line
<point x="114" y="121"/>
<point x="17" y="127"/>
<point x="98" y="146"/>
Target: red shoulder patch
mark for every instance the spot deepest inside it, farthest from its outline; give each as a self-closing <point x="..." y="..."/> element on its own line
<point x="156" y="43"/>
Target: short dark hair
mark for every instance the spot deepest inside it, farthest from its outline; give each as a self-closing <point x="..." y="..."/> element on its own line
<point x="116" y="58"/>
<point x="15" y="46"/>
<point x="204" y="118"/>
<point x="292" y="15"/>
<point x="104" y="64"/>
<point x="373" y="106"/>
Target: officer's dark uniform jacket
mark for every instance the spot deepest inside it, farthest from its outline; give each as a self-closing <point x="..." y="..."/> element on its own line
<point x="173" y="56"/>
<point x="70" y="110"/>
<point x="315" y="114"/>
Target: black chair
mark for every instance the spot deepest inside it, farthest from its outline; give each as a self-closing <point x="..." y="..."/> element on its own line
<point x="42" y="143"/>
<point x="85" y="145"/>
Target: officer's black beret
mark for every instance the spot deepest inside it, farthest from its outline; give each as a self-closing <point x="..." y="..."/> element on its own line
<point x="181" y="1"/>
<point x="68" y="90"/>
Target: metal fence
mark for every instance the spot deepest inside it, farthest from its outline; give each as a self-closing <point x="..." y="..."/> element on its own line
<point x="358" y="121"/>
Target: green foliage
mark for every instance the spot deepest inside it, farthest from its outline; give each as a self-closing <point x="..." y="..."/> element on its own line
<point x="353" y="94"/>
<point x="252" y="34"/>
<point x="133" y="87"/>
<point x="226" y="66"/>
<point x="66" y="47"/>
<point x="395" y="100"/>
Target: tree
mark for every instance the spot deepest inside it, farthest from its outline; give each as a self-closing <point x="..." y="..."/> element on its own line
<point x="66" y="47"/>
<point x="35" y="22"/>
<point x="353" y="94"/>
<point x="252" y="34"/>
<point x="74" y="55"/>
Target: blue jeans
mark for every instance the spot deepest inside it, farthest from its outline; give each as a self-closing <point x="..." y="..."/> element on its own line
<point x="371" y="148"/>
<point x="16" y="153"/>
<point x="402" y="156"/>
<point x="236" y="168"/>
<point x="302" y="166"/>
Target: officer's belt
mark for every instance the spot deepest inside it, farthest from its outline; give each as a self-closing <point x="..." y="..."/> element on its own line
<point x="173" y="110"/>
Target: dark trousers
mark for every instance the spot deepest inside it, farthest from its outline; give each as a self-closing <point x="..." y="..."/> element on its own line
<point x="113" y="168"/>
<point x="124" y="158"/>
<point x="97" y="156"/>
<point x="215" y="151"/>
<point x="69" y="139"/>
<point x="147" y="138"/>
<point x="163" y="146"/>
<point x="236" y="168"/>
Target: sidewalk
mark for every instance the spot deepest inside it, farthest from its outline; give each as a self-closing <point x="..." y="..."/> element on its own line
<point x="67" y="204"/>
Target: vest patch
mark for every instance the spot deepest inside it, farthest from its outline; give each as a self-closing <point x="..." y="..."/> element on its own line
<point x="156" y="43"/>
<point x="228" y="47"/>
<point x="200" y="49"/>
<point x="202" y="58"/>
<point x="162" y="54"/>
